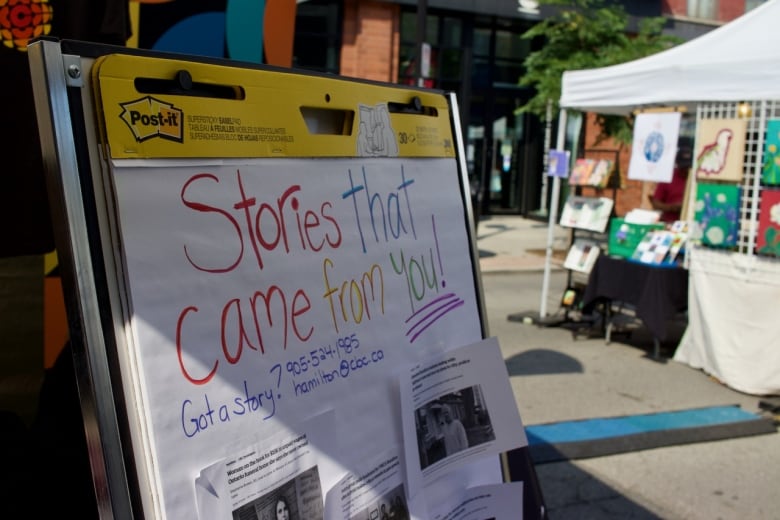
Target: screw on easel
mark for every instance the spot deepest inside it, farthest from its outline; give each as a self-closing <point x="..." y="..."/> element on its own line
<point x="184" y="79"/>
<point x="74" y="71"/>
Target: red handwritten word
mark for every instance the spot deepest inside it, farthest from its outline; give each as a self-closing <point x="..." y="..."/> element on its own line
<point x="247" y="322"/>
<point x="282" y="223"/>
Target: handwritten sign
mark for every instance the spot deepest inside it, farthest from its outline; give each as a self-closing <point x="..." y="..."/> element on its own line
<point x="264" y="291"/>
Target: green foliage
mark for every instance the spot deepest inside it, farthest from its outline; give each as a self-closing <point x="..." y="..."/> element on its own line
<point x="587" y="34"/>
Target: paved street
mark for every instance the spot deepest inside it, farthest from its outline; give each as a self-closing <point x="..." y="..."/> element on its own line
<point x="558" y="375"/>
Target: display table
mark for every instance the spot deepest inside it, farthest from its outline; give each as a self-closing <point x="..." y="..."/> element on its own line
<point x="657" y="293"/>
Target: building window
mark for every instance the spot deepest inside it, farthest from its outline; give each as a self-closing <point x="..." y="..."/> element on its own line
<point x="511" y="50"/>
<point x="752" y="4"/>
<point x="704" y="9"/>
<point x="445" y="36"/>
<point x="317" y="43"/>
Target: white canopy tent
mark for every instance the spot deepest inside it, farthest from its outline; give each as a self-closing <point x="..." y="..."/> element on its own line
<point x="733" y="330"/>
<point x="735" y="62"/>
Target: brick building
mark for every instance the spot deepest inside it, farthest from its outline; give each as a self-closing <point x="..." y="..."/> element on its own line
<point x="476" y="51"/>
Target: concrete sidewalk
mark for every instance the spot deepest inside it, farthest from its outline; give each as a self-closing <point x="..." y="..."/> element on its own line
<point x="510" y="243"/>
<point x="561" y="374"/>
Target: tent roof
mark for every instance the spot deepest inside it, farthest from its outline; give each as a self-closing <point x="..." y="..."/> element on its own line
<point x="737" y="61"/>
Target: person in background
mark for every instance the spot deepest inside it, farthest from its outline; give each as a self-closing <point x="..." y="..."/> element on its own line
<point x="454" y="433"/>
<point x="668" y="196"/>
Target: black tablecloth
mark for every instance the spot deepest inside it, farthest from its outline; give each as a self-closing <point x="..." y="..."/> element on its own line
<point x="657" y="293"/>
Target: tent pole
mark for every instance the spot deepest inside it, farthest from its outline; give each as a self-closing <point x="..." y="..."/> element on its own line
<point x="553" y="214"/>
<point x="547" y="131"/>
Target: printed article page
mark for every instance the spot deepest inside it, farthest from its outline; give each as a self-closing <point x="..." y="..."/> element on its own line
<point x="376" y="492"/>
<point x="457" y="407"/>
<point x="492" y="502"/>
<point x="279" y="478"/>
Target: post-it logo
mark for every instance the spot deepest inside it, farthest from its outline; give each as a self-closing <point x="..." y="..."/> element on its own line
<point x="149" y="117"/>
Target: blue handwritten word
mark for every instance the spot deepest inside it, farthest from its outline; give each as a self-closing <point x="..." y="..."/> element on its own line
<point x="346" y="368"/>
<point x="196" y="420"/>
<point x="313" y="360"/>
<point x="386" y="212"/>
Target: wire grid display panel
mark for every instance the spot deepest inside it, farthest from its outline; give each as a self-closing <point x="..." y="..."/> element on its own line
<point x="756" y="115"/>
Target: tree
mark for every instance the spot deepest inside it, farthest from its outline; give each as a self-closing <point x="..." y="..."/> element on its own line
<point x="587" y="34"/>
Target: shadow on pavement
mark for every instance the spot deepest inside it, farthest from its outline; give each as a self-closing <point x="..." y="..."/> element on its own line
<point x="642" y="339"/>
<point x="571" y="493"/>
<point x="634" y="334"/>
<point x="562" y="491"/>
<point x="542" y="361"/>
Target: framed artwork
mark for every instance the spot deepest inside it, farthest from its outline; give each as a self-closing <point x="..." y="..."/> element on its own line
<point x="591" y="213"/>
<point x="571" y="298"/>
<point x="770" y="170"/>
<point x="601" y="173"/>
<point x="558" y="163"/>
<point x="678" y="243"/>
<point x="581" y="171"/>
<point x="656" y="248"/>
<point x="768" y="239"/>
<point x="716" y="214"/>
<point x="720" y="149"/>
<point x="582" y="256"/>
<point x="654" y="146"/>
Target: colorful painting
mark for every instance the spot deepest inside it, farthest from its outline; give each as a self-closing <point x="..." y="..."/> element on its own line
<point x="591" y="213"/>
<point x="654" y="247"/>
<point x="582" y="255"/>
<point x="654" y="146"/>
<point x="720" y="149"/>
<point x="601" y="174"/>
<point x="768" y="239"/>
<point x="770" y="171"/>
<point x="717" y="214"/>
<point x="678" y="243"/>
<point x="581" y="172"/>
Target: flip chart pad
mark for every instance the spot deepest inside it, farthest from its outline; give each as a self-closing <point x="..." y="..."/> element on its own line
<point x="273" y="271"/>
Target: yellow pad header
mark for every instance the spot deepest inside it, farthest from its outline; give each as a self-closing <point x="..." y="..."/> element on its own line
<point x="162" y="108"/>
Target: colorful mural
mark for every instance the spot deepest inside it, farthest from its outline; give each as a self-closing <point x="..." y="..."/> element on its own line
<point x="255" y="31"/>
<point x="23" y="20"/>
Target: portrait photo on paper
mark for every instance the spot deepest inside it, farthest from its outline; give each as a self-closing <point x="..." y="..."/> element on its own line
<point x="452" y="423"/>
<point x="391" y="505"/>
<point x="297" y="499"/>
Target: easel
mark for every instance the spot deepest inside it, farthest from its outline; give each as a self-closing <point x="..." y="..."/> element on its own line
<point x="226" y="151"/>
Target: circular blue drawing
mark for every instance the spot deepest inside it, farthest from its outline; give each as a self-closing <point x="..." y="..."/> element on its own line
<point x="654" y="146"/>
